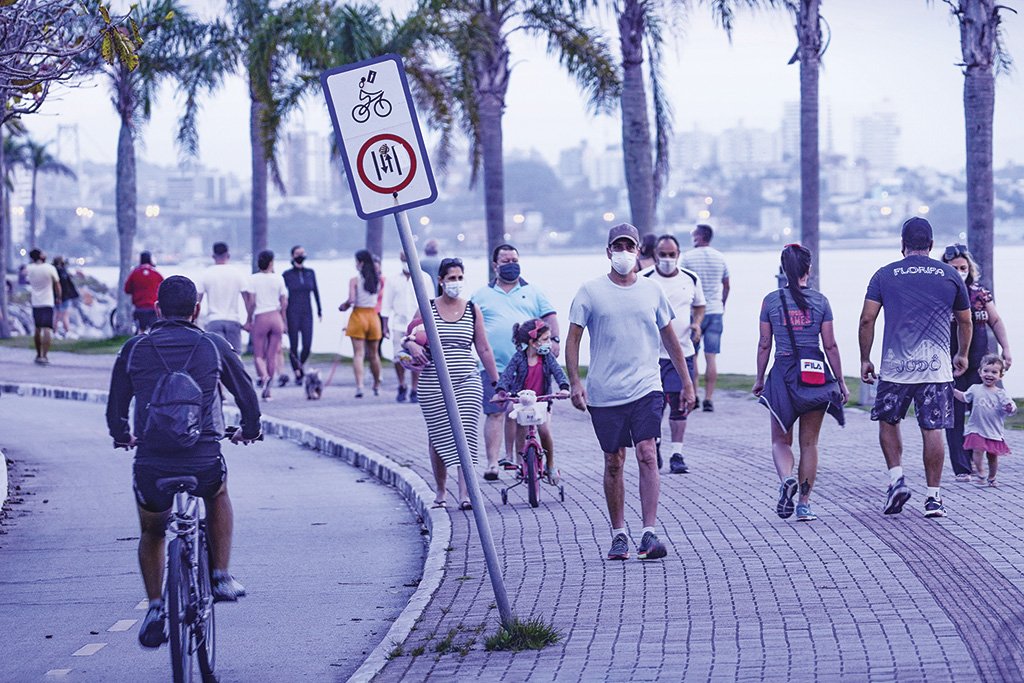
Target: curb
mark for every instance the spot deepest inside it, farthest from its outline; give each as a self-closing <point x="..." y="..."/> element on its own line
<point x="410" y="485"/>
<point x="3" y="479"/>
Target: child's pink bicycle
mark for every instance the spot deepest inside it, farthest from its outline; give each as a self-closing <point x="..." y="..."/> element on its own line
<point x="532" y="411"/>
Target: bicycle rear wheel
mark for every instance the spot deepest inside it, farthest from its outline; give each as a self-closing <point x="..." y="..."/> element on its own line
<point x="177" y="610"/>
<point x="206" y="628"/>
<point x="532" y="459"/>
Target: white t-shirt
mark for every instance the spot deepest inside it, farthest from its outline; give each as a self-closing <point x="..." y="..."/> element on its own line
<point x="709" y="264"/>
<point x="221" y="286"/>
<point x="683" y="291"/>
<point x="625" y="326"/>
<point x="41" y="277"/>
<point x="268" y="288"/>
<point x="400" y="304"/>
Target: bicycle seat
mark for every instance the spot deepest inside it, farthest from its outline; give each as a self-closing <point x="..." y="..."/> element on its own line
<point x="175" y="484"/>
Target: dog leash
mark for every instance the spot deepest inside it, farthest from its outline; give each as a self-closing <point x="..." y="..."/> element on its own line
<point x="334" y="368"/>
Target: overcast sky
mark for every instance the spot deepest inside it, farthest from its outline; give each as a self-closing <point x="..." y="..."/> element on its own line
<point x="900" y="52"/>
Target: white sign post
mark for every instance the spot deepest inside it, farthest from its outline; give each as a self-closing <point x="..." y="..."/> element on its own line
<point x="388" y="172"/>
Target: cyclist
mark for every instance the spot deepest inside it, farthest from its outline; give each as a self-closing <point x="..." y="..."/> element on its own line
<point x="208" y="358"/>
<point x="533" y="367"/>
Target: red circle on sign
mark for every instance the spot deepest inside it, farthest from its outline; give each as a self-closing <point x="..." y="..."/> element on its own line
<point x="366" y="147"/>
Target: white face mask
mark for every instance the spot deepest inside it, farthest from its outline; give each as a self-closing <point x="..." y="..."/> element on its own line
<point x="623" y="262"/>
<point x="666" y="265"/>
<point x="963" y="274"/>
<point x="453" y="289"/>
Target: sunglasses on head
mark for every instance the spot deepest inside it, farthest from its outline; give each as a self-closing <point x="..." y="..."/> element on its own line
<point x="954" y="251"/>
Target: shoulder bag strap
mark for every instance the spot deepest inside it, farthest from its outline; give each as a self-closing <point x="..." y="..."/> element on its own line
<point x="786" y="321"/>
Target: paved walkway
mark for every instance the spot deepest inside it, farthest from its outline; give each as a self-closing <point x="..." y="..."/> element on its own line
<point x="743" y="595"/>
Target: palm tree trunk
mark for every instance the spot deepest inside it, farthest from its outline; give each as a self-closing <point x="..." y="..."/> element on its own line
<point x="809" y="34"/>
<point x="636" y="127"/>
<point x="375" y="236"/>
<point x="494" y="171"/>
<point x="978" y="26"/>
<point x="257" y="139"/>
<point x="32" y="216"/>
<point x="125" y="194"/>
<point x="5" y="228"/>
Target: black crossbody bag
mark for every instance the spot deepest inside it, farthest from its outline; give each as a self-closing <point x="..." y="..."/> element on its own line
<point x="810" y="359"/>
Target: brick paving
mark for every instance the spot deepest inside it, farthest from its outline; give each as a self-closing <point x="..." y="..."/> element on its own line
<point x="743" y="595"/>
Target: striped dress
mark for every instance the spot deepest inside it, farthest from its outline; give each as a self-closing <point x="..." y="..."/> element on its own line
<point x="457" y="342"/>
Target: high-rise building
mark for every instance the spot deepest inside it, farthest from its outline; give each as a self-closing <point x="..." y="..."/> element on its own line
<point x="790" y="131"/>
<point x="744" y="150"/>
<point x="690" y="151"/>
<point x="605" y="168"/>
<point x="297" y="162"/>
<point x="877" y="139"/>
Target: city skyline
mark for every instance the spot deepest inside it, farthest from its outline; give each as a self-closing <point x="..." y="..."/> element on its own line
<point x="869" y="66"/>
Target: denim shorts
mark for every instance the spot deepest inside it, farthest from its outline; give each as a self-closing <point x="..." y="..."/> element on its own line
<point x="672" y="385"/>
<point x="627" y="425"/>
<point x="933" y="403"/>
<point x="711" y="333"/>
<point x="490" y="408"/>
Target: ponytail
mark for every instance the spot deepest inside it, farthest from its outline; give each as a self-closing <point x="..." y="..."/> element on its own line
<point x="796" y="263"/>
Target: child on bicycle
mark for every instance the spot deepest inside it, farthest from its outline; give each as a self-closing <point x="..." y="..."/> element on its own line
<point x="533" y="368"/>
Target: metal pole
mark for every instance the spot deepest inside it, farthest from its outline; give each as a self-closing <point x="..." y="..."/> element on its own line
<point x="465" y="460"/>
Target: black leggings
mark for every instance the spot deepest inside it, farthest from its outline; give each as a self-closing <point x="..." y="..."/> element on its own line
<point x="299" y="323"/>
<point x="958" y="457"/>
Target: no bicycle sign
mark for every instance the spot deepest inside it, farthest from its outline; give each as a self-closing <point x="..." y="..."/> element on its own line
<point x="379" y="136"/>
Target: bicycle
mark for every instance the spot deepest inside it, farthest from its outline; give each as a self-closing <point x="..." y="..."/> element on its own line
<point x="532" y="467"/>
<point x="381" y="106"/>
<point x="188" y="588"/>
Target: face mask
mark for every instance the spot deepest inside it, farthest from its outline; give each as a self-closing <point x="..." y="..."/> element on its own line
<point x="623" y="262"/>
<point x="299" y="259"/>
<point x="543" y="349"/>
<point x="666" y="265"/>
<point x="453" y="289"/>
<point x="963" y="274"/>
<point x="509" y="272"/>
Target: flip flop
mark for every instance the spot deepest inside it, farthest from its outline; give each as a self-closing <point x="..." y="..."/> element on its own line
<point x="465" y="505"/>
<point x="439" y="504"/>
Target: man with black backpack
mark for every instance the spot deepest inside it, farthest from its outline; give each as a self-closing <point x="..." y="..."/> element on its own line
<point x="173" y="373"/>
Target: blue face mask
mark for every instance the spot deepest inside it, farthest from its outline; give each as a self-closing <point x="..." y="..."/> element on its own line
<point x="509" y="272"/>
<point x="543" y="349"/>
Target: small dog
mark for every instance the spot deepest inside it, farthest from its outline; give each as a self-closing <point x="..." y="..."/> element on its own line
<point x="314" y="385"/>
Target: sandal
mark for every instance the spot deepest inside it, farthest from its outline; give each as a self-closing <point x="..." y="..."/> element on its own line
<point x="465" y="505"/>
<point x="439" y="505"/>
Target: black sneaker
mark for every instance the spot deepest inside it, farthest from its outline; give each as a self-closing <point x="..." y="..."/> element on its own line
<point x="414" y="397"/>
<point x="282" y="381"/>
<point x="933" y="507"/>
<point x="401" y="394"/>
<point x="620" y="548"/>
<point x="709" y="407"/>
<point x="226" y="589"/>
<point x="787" y="489"/>
<point x="152" y="633"/>
<point x="651" y="548"/>
<point x="657" y="446"/>
<point x="677" y="465"/>
<point x="896" y="497"/>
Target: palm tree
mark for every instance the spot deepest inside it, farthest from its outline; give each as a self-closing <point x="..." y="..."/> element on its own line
<point x="474" y="34"/>
<point x="808" y="53"/>
<point x="640" y="31"/>
<point x="982" y="48"/>
<point x="172" y="36"/>
<point x="39" y="160"/>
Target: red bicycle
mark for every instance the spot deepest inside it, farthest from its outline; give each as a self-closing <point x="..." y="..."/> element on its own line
<point x="532" y="411"/>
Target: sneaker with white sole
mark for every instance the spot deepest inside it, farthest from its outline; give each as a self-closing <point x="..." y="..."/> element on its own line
<point x="676" y="464"/>
<point x="896" y="497"/>
<point x="933" y="507"/>
<point x="804" y="514"/>
<point x="153" y="632"/>
<point x="226" y="588"/>
<point x="787" y="489"/>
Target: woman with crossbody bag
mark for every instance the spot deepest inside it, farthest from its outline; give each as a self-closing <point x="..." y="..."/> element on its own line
<point x="801" y="386"/>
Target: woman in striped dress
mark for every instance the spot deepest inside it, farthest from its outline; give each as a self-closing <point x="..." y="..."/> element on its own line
<point x="461" y="328"/>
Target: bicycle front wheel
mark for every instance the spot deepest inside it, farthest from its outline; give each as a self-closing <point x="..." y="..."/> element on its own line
<point x="177" y="610"/>
<point x="206" y="630"/>
<point x="532" y="459"/>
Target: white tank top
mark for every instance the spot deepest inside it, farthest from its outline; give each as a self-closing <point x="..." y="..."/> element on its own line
<point x="365" y="299"/>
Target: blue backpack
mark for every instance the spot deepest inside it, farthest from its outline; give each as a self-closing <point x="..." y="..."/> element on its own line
<point x="174" y="420"/>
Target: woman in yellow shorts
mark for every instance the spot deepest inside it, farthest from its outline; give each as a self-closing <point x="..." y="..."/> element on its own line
<point x="364" y="327"/>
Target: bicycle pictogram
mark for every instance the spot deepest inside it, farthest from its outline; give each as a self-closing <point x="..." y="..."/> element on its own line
<point x="370" y="99"/>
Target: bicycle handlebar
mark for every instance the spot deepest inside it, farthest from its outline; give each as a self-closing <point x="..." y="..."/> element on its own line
<point x="512" y="398"/>
<point x="229" y="432"/>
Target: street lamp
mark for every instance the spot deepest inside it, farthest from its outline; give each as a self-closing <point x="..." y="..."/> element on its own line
<point x="519" y="219"/>
<point x="424" y="221"/>
<point x="609" y="216"/>
<point x="152" y="210"/>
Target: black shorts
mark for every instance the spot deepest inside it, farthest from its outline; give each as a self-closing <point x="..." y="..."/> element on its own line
<point x="210" y="473"/>
<point x="629" y="424"/>
<point x="145" y="317"/>
<point x="42" y="316"/>
<point x="672" y="385"/>
<point x="933" y="403"/>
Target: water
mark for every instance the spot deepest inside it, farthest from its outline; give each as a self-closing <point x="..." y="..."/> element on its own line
<point x="844" y="277"/>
